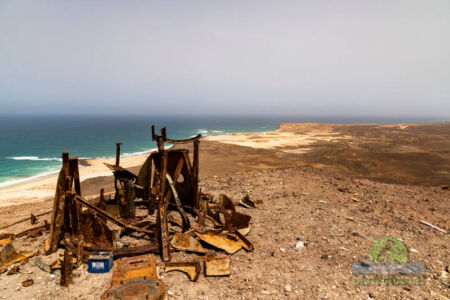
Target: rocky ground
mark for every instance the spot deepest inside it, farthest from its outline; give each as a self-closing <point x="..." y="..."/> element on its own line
<point x="336" y="217"/>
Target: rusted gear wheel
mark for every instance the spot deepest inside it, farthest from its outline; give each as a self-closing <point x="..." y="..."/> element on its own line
<point x="137" y="289"/>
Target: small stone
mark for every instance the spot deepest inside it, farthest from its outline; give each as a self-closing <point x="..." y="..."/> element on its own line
<point x="288" y="288"/>
<point x="333" y="287"/>
<point x="299" y="245"/>
<point x="413" y="250"/>
<point x="282" y="250"/>
<point x="170" y="293"/>
<point x="265" y="292"/>
<point x="323" y="202"/>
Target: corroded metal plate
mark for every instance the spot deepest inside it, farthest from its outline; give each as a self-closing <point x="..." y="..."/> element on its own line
<point x="137" y="289"/>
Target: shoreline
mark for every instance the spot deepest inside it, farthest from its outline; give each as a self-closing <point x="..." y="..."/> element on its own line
<point x="290" y="143"/>
<point x="43" y="187"/>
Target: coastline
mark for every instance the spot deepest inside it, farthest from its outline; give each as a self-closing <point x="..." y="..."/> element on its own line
<point x="43" y="188"/>
<point x="373" y="151"/>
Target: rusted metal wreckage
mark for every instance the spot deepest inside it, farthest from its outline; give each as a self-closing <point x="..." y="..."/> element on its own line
<point x="160" y="210"/>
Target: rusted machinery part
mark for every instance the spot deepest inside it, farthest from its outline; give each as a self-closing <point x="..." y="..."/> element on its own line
<point x="189" y="140"/>
<point x="184" y="218"/>
<point x="137" y="288"/>
<point x="109" y="217"/>
<point x="190" y="268"/>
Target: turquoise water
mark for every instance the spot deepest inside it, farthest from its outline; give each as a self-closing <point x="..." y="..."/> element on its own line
<point x="31" y="146"/>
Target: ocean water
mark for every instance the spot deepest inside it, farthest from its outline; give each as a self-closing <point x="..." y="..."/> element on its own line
<point x="31" y="146"/>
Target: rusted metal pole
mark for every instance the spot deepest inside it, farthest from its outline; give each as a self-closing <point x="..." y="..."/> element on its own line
<point x="195" y="168"/>
<point x="162" y="211"/>
<point x="118" y="153"/>
<point x="66" y="269"/>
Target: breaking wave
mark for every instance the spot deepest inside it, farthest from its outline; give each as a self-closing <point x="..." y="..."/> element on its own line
<point x="35" y="158"/>
<point x="24" y="179"/>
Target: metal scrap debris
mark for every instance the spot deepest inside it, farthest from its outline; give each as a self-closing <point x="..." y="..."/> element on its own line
<point x="9" y="256"/>
<point x="221" y="241"/>
<point x="247" y="203"/>
<point x="191" y="268"/>
<point x="187" y="243"/>
<point x="143" y="208"/>
<point x="217" y="266"/>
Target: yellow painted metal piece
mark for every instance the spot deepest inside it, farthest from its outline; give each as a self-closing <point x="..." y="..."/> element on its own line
<point x="217" y="266"/>
<point x="186" y="242"/>
<point x="220" y="241"/>
<point x="191" y="268"/>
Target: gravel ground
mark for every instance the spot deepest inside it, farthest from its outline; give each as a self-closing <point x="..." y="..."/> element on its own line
<point x="299" y="204"/>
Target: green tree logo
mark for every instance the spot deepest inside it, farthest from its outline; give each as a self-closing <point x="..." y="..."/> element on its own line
<point x="388" y="249"/>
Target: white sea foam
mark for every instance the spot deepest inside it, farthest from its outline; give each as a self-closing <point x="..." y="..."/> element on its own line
<point x="202" y="131"/>
<point x="35" y="158"/>
<point x="137" y="153"/>
<point x="20" y="180"/>
<point x="43" y="174"/>
<point x="143" y="152"/>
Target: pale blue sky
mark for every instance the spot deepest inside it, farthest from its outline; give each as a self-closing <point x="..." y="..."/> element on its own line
<point x="223" y="57"/>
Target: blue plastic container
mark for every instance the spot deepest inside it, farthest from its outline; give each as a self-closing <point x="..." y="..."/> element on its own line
<point x="100" y="262"/>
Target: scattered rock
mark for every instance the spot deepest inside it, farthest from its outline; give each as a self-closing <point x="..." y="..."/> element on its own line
<point x="27" y="282"/>
<point x="288" y="288"/>
<point x="282" y="250"/>
<point x="299" y="245"/>
<point x="413" y="250"/>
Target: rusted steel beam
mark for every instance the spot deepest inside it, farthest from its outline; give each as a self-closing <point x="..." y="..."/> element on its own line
<point x="118" y="153"/>
<point x="139" y="250"/>
<point x="162" y="208"/>
<point x="57" y="218"/>
<point x="33" y="229"/>
<point x="195" y="169"/>
<point x="80" y="252"/>
<point x="67" y="211"/>
<point x="76" y="174"/>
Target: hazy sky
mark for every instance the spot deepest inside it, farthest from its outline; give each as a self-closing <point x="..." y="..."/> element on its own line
<point x="221" y="57"/>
